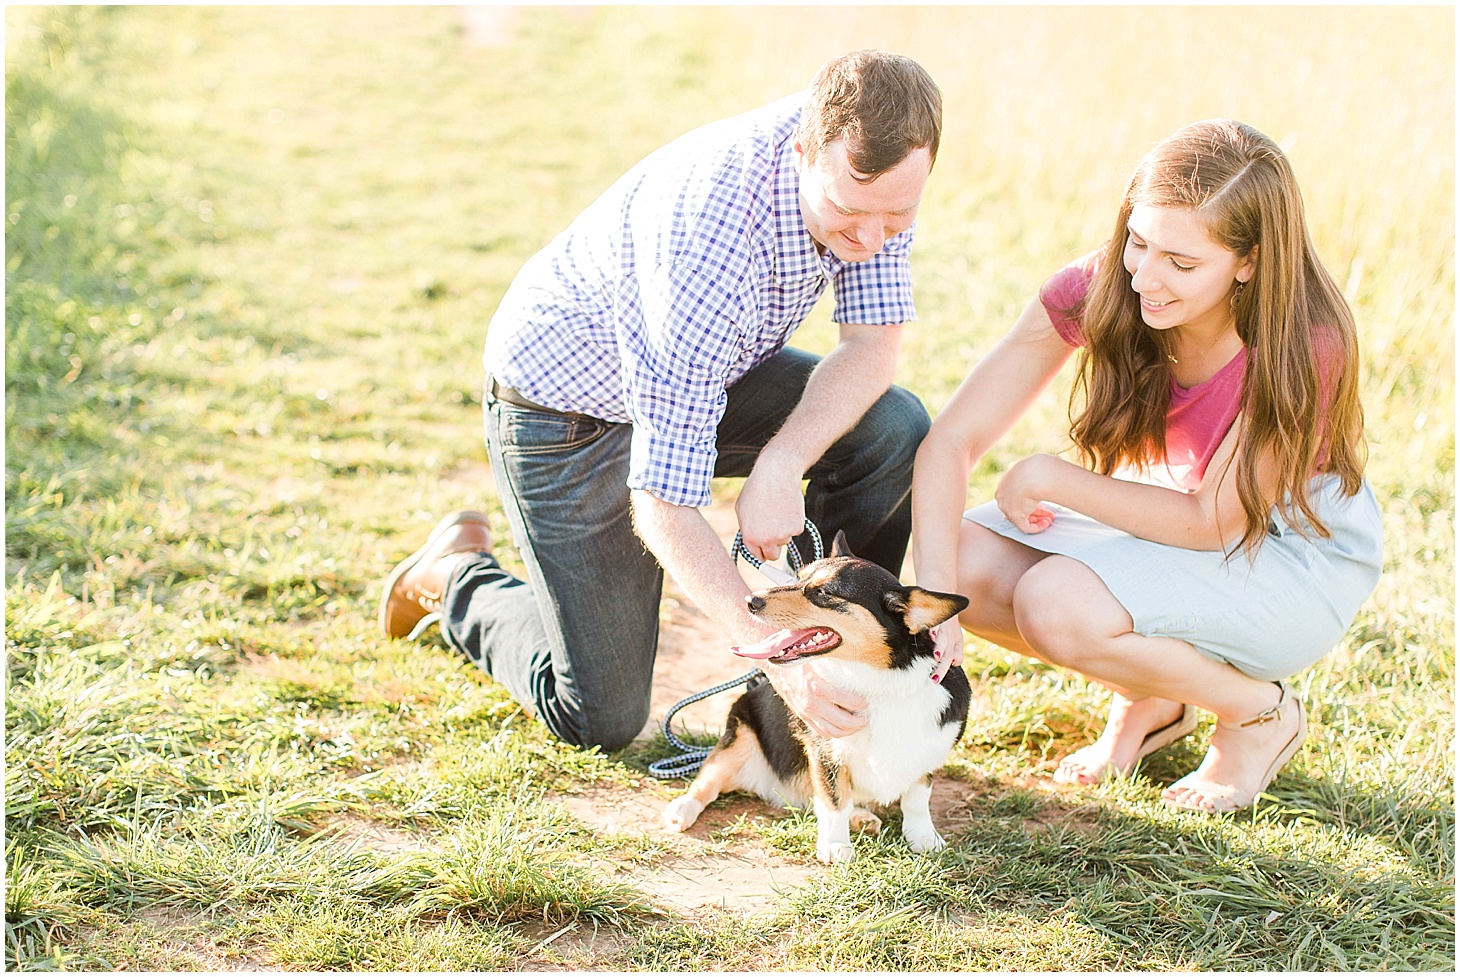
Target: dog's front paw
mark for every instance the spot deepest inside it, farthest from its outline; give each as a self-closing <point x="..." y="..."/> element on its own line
<point x="924" y="840"/>
<point x="682" y="812"/>
<point x="836" y="853"/>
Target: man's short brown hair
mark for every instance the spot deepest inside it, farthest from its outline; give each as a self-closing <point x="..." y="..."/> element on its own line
<point x="882" y="105"/>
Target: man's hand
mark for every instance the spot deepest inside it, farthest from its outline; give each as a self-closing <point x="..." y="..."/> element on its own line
<point x="828" y="709"/>
<point x="770" y="509"/>
<point x="841" y="388"/>
<point x="689" y="549"/>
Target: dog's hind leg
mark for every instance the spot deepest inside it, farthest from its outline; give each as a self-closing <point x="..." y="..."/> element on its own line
<point x="721" y="772"/>
<point x="917" y="820"/>
<point x="864" y="821"/>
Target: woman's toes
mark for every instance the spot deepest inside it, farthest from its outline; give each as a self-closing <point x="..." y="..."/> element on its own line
<point x="1078" y="768"/>
<point x="1070" y="773"/>
<point x="1182" y="797"/>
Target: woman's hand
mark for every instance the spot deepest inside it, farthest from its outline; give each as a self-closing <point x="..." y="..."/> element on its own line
<point x="947" y="647"/>
<point x="1023" y="490"/>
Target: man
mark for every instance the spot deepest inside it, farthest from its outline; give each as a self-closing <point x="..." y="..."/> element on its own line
<point x="641" y="353"/>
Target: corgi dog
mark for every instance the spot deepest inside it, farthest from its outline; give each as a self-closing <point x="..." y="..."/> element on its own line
<point x="864" y="631"/>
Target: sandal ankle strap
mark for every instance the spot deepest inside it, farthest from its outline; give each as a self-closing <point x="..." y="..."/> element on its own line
<point x="1270" y="714"/>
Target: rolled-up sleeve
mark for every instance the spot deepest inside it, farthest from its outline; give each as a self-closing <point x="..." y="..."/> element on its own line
<point x="1063" y="297"/>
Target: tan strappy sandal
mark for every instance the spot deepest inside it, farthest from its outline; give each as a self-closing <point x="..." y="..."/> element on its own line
<point x="1223" y="798"/>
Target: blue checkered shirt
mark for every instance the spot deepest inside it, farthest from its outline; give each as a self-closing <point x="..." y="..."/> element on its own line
<point x="692" y="269"/>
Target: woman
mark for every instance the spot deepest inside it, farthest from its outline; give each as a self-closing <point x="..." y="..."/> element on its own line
<point x="1218" y="535"/>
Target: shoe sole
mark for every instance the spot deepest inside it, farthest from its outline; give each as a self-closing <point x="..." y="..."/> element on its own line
<point x="448" y="521"/>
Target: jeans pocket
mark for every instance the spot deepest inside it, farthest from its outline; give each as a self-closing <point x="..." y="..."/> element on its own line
<point x="532" y="432"/>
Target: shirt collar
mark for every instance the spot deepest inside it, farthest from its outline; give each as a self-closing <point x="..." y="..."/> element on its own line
<point x="796" y="255"/>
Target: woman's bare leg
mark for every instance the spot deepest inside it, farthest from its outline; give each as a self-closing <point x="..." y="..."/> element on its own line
<point x="990" y="568"/>
<point x="1065" y="612"/>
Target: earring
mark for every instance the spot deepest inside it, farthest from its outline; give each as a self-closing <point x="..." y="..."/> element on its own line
<point x="1236" y="294"/>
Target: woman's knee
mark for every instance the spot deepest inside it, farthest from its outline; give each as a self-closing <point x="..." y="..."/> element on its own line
<point x="985" y="575"/>
<point x="1063" y="609"/>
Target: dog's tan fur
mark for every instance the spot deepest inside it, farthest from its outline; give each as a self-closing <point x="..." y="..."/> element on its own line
<point x="862" y="636"/>
<point x="731" y="769"/>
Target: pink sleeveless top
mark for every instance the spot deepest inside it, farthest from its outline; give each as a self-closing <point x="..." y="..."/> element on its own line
<point x="1199" y="417"/>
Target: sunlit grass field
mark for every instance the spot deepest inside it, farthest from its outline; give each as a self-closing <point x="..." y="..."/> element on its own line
<point x="250" y="258"/>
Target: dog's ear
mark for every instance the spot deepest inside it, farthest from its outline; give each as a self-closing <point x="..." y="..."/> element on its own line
<point x="839" y="546"/>
<point x="923" y="609"/>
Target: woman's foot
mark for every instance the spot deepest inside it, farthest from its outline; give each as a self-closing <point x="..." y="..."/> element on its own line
<point x="1133" y="730"/>
<point x="1243" y="758"/>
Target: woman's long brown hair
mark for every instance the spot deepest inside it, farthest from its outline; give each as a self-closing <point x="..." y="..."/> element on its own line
<point x="1242" y="188"/>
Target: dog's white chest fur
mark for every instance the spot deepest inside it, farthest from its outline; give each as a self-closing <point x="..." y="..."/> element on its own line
<point x="902" y="740"/>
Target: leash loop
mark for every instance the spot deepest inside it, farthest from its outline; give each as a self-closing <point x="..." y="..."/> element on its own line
<point x="793" y="555"/>
<point x="690" y="758"/>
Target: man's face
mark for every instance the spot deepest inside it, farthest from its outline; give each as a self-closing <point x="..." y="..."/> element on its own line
<point x="850" y="219"/>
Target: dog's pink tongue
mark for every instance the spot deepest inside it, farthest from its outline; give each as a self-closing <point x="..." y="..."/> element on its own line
<point x="775" y="645"/>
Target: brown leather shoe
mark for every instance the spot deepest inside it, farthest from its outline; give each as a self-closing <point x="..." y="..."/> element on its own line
<point x="415" y="587"/>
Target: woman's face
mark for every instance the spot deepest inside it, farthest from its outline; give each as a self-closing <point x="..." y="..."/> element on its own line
<point x="1184" y="278"/>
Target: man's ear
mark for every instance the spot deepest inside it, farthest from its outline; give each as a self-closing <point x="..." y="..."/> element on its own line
<point x="798" y="150"/>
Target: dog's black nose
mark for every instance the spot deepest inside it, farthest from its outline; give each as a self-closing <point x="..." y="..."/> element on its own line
<point x="755" y="603"/>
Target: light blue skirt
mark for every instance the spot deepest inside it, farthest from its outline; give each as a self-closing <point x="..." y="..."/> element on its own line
<point x="1269" y="617"/>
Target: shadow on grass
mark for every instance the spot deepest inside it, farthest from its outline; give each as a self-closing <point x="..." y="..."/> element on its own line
<point x="75" y="298"/>
<point x="1027" y="879"/>
<point x="100" y="242"/>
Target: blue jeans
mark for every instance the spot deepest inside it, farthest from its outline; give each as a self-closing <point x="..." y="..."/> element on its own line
<point x="576" y="644"/>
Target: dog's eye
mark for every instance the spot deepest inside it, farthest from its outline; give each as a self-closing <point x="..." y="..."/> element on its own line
<point x="822" y="598"/>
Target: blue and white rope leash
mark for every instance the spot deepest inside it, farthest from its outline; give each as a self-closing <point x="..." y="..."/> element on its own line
<point x="691" y="758"/>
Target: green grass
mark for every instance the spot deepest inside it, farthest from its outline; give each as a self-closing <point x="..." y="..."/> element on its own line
<point x="251" y="254"/>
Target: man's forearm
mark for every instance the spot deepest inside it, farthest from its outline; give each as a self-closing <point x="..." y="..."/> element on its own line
<point x="693" y="555"/>
<point x="847" y="382"/>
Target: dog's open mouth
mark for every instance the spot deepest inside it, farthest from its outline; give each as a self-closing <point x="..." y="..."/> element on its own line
<point x="784" y="647"/>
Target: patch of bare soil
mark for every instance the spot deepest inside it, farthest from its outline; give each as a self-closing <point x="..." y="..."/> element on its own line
<point x="703" y="869"/>
<point x="199" y="954"/>
<point x="373" y="836"/>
